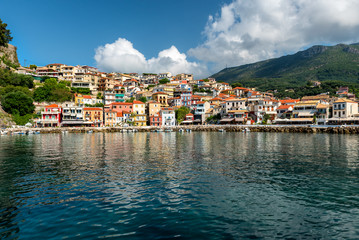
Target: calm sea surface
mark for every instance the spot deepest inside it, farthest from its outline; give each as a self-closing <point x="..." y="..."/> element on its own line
<point x="184" y="186"/>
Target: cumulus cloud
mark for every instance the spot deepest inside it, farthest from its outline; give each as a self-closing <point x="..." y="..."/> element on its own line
<point x="121" y="56"/>
<point x="247" y="31"/>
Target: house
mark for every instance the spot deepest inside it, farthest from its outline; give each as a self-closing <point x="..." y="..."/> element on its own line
<point x="189" y="118"/>
<point x="265" y="106"/>
<point x="344" y="108"/>
<point x="93" y="115"/>
<point x="161" y="97"/>
<point x="186" y="98"/>
<point x="200" y="110"/>
<point x="284" y="111"/>
<point x="168" y="117"/>
<point x="110" y="117"/>
<point x="51" y="116"/>
<point x="121" y="106"/>
<point x="72" y="115"/>
<point x="156" y="120"/>
<point x="153" y="107"/>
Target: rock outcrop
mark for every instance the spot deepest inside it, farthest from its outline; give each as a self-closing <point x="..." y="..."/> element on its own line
<point x="8" y="57"/>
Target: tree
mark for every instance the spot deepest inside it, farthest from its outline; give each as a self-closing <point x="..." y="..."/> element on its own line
<point x="164" y="81"/>
<point x="11" y="88"/>
<point x="130" y="100"/>
<point x="33" y="66"/>
<point x="181" y="113"/>
<point x="17" y="103"/>
<point x="5" y="36"/>
<point x="143" y="99"/>
<point x="234" y="85"/>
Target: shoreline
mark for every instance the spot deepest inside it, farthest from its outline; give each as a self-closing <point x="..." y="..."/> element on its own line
<point x="348" y="129"/>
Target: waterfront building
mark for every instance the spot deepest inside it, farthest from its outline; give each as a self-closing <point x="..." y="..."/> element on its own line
<point x="51" y="116"/>
<point x="94" y="116"/>
<point x="156" y="120"/>
<point x="345" y="108"/>
<point x="72" y="115"/>
<point x="168" y="117"/>
<point x="121" y="106"/>
<point x="110" y="117"/>
<point x="139" y="110"/>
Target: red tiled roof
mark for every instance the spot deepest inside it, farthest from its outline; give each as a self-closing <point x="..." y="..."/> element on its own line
<point x="121" y="103"/>
<point x="284" y="107"/>
<point x="138" y="102"/>
<point x="92" y="109"/>
<point x="52" y="106"/>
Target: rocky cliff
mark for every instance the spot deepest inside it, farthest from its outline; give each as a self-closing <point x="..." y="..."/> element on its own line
<point x="8" y="57"/>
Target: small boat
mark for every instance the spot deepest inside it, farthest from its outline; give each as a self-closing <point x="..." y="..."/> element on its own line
<point x="30" y="132"/>
<point x="168" y="130"/>
<point x="180" y="130"/>
<point x="246" y="130"/>
<point x="221" y="130"/>
<point x="36" y="132"/>
<point x="4" y="132"/>
<point x="188" y="130"/>
<point x="90" y="131"/>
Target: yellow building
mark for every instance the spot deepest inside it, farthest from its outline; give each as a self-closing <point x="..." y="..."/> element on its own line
<point x="139" y="111"/>
<point x="153" y="108"/>
<point x="94" y="115"/>
<point x="161" y="97"/>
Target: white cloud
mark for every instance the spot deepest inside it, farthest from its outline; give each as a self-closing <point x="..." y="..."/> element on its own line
<point x="121" y="56"/>
<point x="246" y="31"/>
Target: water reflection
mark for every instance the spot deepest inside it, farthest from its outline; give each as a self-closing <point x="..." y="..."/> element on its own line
<point x="187" y="185"/>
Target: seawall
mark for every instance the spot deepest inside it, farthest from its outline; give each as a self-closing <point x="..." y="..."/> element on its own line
<point x="200" y="128"/>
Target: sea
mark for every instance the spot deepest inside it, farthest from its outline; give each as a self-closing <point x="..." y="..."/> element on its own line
<point x="170" y="185"/>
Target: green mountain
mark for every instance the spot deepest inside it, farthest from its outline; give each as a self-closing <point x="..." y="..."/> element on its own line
<point x="318" y="63"/>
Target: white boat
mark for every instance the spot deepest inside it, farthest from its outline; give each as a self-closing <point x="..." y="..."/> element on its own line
<point x="221" y="130"/>
<point x="188" y="130"/>
<point x="90" y="131"/>
<point x="168" y="130"/>
<point x="246" y="130"/>
<point x="180" y="130"/>
<point x="3" y="132"/>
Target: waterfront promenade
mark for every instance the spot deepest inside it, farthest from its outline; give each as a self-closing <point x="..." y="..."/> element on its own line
<point x="343" y="129"/>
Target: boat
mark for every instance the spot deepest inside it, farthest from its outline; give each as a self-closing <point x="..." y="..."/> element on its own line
<point x="246" y="130"/>
<point x="3" y="132"/>
<point x="180" y="130"/>
<point x="221" y="130"/>
<point x="188" y="130"/>
<point x="90" y="131"/>
<point x="168" y="130"/>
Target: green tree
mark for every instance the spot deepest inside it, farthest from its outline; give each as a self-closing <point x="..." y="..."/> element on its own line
<point x="17" y="103"/>
<point x="130" y="100"/>
<point x="143" y="99"/>
<point x="5" y="34"/>
<point x="164" y="81"/>
<point x="181" y="113"/>
<point x="237" y="84"/>
<point x="33" y="66"/>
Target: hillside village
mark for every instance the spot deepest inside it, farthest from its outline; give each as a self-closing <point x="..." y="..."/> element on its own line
<point x="164" y="100"/>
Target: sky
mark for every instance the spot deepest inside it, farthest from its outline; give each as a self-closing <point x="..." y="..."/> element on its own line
<point x="192" y="36"/>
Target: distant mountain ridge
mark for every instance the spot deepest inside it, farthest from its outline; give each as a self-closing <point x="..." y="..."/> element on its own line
<point x="318" y="63"/>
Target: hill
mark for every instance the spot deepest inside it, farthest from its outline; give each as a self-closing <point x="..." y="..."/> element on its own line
<point x="318" y="63"/>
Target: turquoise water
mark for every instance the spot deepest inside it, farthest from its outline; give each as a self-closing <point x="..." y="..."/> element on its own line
<point x="183" y="186"/>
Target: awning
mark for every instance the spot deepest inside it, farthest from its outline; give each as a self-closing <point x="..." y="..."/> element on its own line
<point x="239" y="119"/>
<point x="301" y="119"/>
<point x="227" y="120"/>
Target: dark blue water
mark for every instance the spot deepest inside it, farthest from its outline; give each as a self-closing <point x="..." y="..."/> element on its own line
<point x="184" y="186"/>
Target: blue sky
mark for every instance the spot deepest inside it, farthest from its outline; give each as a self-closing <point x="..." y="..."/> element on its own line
<point x="193" y="36"/>
<point x="69" y="31"/>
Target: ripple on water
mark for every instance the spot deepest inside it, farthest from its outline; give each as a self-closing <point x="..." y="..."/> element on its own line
<point x="185" y="186"/>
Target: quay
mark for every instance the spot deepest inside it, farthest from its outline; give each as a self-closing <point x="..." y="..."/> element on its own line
<point x="336" y="129"/>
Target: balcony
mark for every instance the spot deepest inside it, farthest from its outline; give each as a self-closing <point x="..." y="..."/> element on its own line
<point x="52" y="112"/>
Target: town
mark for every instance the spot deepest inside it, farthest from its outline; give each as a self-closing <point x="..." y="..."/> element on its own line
<point x="165" y="100"/>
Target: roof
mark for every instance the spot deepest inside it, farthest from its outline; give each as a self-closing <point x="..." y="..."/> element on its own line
<point x="238" y="111"/>
<point x="216" y="99"/>
<point x="138" y="102"/>
<point x="284" y="101"/>
<point x="92" y="109"/>
<point x="159" y="93"/>
<point x="87" y="96"/>
<point x="284" y="107"/>
<point x="121" y="103"/>
<point x="52" y="106"/>
<point x="341" y="100"/>
<point x="306" y="103"/>
<point x="321" y="105"/>
<point x="200" y="102"/>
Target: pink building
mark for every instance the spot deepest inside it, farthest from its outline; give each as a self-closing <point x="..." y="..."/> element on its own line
<point x="51" y="116"/>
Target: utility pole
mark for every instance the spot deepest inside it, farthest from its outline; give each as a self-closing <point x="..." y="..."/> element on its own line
<point x="24" y="62"/>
